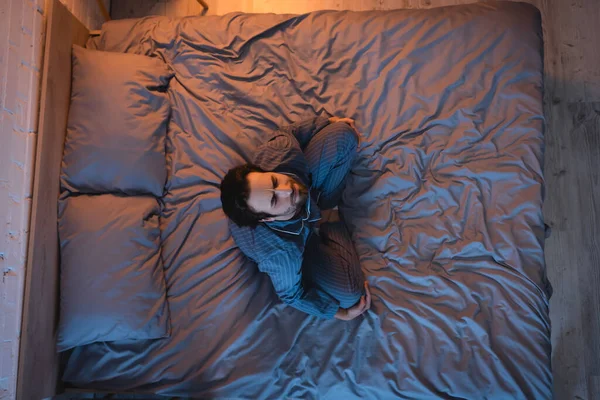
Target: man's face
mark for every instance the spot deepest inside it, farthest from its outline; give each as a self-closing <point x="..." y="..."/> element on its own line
<point x="276" y="194"/>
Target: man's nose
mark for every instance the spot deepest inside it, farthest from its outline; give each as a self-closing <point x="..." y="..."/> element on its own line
<point x="284" y="191"/>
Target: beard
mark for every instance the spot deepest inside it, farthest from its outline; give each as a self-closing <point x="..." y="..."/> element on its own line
<point x="301" y="194"/>
<point x="299" y="198"/>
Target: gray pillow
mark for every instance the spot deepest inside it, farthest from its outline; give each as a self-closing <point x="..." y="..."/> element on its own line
<point x="112" y="284"/>
<point x="117" y="124"/>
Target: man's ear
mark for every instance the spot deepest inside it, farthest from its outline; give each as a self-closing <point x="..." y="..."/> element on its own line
<point x="270" y="219"/>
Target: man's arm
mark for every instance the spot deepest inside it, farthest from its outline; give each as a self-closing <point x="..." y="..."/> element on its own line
<point x="286" y="276"/>
<point x="303" y="131"/>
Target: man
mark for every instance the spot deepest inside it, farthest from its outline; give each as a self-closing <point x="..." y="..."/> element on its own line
<point x="274" y="205"/>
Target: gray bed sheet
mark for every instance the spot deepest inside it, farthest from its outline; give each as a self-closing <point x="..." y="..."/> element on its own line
<point x="444" y="203"/>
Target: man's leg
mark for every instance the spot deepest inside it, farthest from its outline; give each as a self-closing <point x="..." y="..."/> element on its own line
<point x="331" y="262"/>
<point x="330" y="154"/>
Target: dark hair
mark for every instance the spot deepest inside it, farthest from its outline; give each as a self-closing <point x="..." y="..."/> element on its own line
<point x="235" y="191"/>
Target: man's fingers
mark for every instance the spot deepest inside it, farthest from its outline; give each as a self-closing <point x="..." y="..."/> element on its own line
<point x="346" y="120"/>
<point x="366" y="305"/>
<point x="360" y="306"/>
<point x="365" y="308"/>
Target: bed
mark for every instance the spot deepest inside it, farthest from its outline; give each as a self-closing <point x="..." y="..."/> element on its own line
<point x="444" y="205"/>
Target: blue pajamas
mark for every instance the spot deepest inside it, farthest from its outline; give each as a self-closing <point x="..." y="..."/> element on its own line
<point x="330" y="155"/>
<point x="331" y="263"/>
<point x="330" y="259"/>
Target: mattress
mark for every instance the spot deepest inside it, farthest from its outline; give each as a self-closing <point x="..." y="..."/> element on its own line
<point x="444" y="203"/>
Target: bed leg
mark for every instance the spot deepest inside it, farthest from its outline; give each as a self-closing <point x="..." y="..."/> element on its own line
<point x="204" y="5"/>
<point x="103" y="10"/>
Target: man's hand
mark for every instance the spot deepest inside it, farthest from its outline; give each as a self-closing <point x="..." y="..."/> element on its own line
<point x="347" y="314"/>
<point x="348" y="121"/>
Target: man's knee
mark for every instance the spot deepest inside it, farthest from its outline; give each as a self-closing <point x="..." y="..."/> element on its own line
<point x="349" y="298"/>
<point x="345" y="137"/>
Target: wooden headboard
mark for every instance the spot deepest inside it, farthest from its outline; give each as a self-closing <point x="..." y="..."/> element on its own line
<point x="39" y="366"/>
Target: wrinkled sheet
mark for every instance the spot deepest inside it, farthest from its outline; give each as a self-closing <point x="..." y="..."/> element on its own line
<point x="444" y="204"/>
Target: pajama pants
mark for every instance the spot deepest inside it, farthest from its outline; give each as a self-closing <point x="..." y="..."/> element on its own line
<point x="330" y="259"/>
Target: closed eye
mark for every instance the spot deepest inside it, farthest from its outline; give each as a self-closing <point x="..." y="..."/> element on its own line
<point x="275" y="184"/>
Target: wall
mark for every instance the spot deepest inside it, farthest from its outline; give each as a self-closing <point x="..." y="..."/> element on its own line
<point x="22" y="26"/>
<point x="87" y="11"/>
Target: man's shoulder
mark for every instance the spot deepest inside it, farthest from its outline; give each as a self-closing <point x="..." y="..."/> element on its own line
<point x="246" y="233"/>
<point x="258" y="243"/>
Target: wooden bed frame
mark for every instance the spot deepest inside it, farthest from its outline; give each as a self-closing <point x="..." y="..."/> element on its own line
<point x="39" y="363"/>
<point x="39" y="374"/>
<point x="39" y="366"/>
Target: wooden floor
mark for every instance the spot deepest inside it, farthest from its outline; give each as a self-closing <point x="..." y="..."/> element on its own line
<point x="572" y="164"/>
